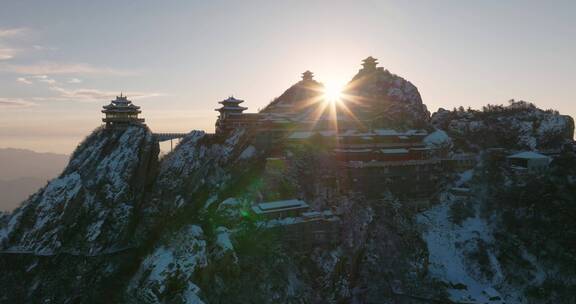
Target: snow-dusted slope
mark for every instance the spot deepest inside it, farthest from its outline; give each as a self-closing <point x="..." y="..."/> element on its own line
<point x="178" y="260"/>
<point x="91" y="208"/>
<point x="200" y="161"/>
<point x="447" y="244"/>
<point x="520" y="125"/>
<point x="388" y="99"/>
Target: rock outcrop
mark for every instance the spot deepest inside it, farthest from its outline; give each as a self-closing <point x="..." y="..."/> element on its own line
<point x="94" y="205"/>
<point x="385" y="99"/>
<point x="520" y="125"/>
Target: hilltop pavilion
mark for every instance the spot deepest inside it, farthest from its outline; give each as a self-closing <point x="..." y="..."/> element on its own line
<point x="307" y="76"/>
<point x="231" y="115"/>
<point x="369" y="64"/>
<point x="121" y="112"/>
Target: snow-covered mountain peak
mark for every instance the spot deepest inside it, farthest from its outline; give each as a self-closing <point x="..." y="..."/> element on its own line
<point x="91" y="206"/>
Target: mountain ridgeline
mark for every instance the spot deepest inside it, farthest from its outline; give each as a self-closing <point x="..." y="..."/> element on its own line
<point x="23" y="172"/>
<point x="120" y="225"/>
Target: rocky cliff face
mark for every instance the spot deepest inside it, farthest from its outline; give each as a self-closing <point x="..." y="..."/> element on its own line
<point x="213" y="254"/>
<point x="74" y="236"/>
<point x="94" y="204"/>
<point x="520" y="125"/>
<point x="387" y="99"/>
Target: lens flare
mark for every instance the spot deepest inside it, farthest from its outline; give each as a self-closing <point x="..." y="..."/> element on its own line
<point x="332" y="92"/>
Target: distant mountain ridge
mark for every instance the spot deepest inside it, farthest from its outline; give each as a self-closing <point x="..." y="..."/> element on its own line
<point x="22" y="172"/>
<point x="18" y="163"/>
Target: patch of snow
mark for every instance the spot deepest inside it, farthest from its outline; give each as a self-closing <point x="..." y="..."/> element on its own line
<point x="183" y="255"/>
<point x="211" y="200"/>
<point x="447" y="262"/>
<point x="94" y="230"/>
<point x="438" y="139"/>
<point x="230" y="208"/>
<point x="191" y="294"/>
<point x="551" y="124"/>
<point x="228" y="203"/>
<point x="249" y="152"/>
<point x="476" y="125"/>
<point x="223" y="238"/>
<point x="529" y="155"/>
<point x="58" y="192"/>
<point x="464" y="177"/>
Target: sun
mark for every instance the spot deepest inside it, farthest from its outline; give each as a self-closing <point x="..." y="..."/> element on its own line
<point x="332" y="92"/>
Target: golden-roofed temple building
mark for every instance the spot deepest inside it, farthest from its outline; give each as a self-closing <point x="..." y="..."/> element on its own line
<point x="121" y="112"/>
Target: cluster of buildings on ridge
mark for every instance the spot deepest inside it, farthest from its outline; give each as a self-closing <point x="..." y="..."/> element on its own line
<point x="301" y="227"/>
<point x="296" y="109"/>
<point x="372" y="159"/>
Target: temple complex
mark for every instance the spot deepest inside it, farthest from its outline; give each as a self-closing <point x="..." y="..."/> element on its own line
<point x="367" y="157"/>
<point x="231" y="116"/>
<point x="401" y="161"/>
<point x="290" y="109"/>
<point x="121" y="112"/>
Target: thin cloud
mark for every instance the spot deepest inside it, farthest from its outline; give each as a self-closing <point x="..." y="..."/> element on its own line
<point x="77" y="94"/>
<point x="23" y="80"/>
<point x="45" y="79"/>
<point x="15" y="103"/>
<point x="51" y="68"/>
<point x="37" y="78"/>
<point x="7" y="53"/>
<point x="98" y="95"/>
<point x="44" y="48"/>
<point x="83" y="94"/>
<point x="49" y="81"/>
<point x="13" y="32"/>
<point x="64" y="95"/>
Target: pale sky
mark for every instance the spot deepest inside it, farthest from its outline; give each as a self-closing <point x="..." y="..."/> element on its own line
<point x="60" y="61"/>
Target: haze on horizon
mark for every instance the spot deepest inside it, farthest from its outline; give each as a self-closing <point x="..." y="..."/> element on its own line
<point x="60" y="61"/>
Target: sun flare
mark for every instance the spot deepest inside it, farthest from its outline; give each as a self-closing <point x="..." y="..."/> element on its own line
<point x="332" y="92"/>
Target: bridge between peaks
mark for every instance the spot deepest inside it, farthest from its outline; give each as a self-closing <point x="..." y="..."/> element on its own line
<point x="160" y="137"/>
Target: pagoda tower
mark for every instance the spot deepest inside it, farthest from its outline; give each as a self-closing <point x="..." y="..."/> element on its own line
<point x="307" y="76"/>
<point x="121" y="112"/>
<point x="369" y="64"/>
<point x="229" y="112"/>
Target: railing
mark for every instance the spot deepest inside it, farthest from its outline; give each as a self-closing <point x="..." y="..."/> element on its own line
<point x="168" y="136"/>
<point x="366" y="164"/>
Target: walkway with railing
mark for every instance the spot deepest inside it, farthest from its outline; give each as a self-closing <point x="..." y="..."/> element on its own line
<point x="168" y="136"/>
<point x="160" y="137"/>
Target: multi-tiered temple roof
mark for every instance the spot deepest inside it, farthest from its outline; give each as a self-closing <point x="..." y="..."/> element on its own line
<point x="121" y="111"/>
<point x="307" y="76"/>
<point x="369" y="64"/>
<point x="231" y="106"/>
<point x="231" y="115"/>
